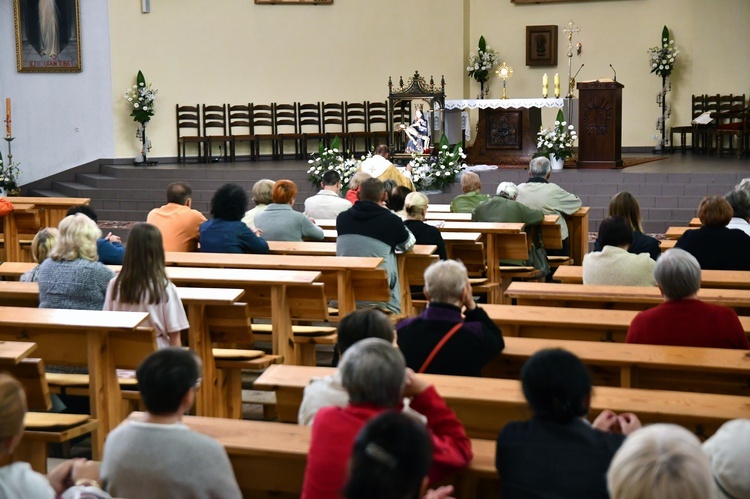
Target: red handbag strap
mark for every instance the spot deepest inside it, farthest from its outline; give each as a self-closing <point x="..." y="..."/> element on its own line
<point x="439" y="346"/>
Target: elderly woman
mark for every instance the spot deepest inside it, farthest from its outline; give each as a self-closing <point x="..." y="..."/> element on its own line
<point x="614" y="265"/>
<point x="281" y="223"/>
<point x="558" y="453"/>
<point x="683" y="319"/>
<point x="728" y="450"/>
<point x="504" y="208"/>
<point x="739" y="200"/>
<point x="41" y="245"/>
<point x="71" y="277"/>
<point x="352" y="195"/>
<point x="225" y="232"/>
<point x="262" y="198"/>
<point x="715" y="246"/>
<point x="625" y="205"/>
<point x="415" y="206"/>
<point x="661" y="461"/>
<point x="456" y="345"/>
<point x="375" y="376"/>
<point x="471" y="186"/>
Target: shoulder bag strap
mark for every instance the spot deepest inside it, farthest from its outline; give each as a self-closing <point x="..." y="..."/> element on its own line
<point x="439" y="346"/>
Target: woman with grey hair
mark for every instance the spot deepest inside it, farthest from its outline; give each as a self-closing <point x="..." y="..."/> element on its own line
<point x="661" y="461"/>
<point x="683" y="319"/>
<point x="439" y="340"/>
<point x="504" y="208"/>
<point x="375" y="376"/>
<point x="739" y="200"/>
<point x="471" y="186"/>
<point x="262" y="197"/>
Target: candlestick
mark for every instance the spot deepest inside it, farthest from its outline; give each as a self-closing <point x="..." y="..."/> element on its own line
<point x="557" y="85"/>
<point x="545" y="86"/>
<point x="7" y="117"/>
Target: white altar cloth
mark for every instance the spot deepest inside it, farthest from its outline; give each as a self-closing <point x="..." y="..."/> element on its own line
<point x="502" y="103"/>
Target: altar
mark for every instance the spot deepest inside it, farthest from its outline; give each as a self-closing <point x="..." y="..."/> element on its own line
<point x="507" y="128"/>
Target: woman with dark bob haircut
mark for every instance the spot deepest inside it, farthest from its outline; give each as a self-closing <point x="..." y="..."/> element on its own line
<point x="714" y="245"/>
<point x="625" y="205"/>
<point x="279" y="222"/>
<point x="225" y="232"/>
<point x="557" y="453"/>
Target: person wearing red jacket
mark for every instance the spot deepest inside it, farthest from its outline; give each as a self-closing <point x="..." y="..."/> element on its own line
<point x="374" y="374"/>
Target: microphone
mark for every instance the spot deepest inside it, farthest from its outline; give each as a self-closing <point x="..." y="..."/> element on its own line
<point x="579" y="70"/>
<point x="613" y="70"/>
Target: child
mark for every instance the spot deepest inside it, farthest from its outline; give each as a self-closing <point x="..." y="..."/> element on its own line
<point x="43" y="242"/>
<point x="142" y="286"/>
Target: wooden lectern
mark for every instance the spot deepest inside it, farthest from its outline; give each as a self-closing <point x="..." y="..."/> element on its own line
<point x="600" y="124"/>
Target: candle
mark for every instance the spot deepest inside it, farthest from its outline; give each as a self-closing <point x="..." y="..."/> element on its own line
<point x="545" y="83"/>
<point x="557" y="85"/>
<point x="7" y="116"/>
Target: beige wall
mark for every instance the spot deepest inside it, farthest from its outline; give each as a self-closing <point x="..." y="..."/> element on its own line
<point x="235" y="51"/>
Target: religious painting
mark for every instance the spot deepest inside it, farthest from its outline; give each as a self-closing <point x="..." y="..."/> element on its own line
<point x="541" y="45"/>
<point x="504" y="129"/>
<point x="48" y="36"/>
<point x="290" y="2"/>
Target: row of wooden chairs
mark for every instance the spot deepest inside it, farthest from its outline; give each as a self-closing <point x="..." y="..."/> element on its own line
<point x="359" y="125"/>
<point x="731" y="119"/>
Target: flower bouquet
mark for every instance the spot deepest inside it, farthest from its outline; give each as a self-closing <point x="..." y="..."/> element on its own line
<point x="662" y="58"/>
<point x="331" y="159"/>
<point x="141" y="98"/>
<point x="482" y="63"/>
<point x="437" y="172"/>
<point x="556" y="141"/>
<point x="9" y="175"/>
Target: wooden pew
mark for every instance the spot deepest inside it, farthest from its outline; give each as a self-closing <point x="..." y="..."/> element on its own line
<point x="52" y="210"/>
<point x="20" y="224"/>
<point x="102" y="341"/>
<point x="614" y="297"/>
<point x="676" y="232"/>
<point x="269" y="459"/>
<point x="696" y="222"/>
<point x="578" y="234"/>
<point x="725" y="279"/>
<point x="485" y="405"/>
<point x="13" y="352"/>
<point x="439" y="208"/>
<point x="454" y="217"/>
<point x="667" y="244"/>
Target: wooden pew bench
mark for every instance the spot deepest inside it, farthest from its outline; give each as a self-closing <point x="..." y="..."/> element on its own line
<point x="725" y="279"/>
<point x="485" y="405"/>
<point x="269" y="459"/>
<point x="676" y="232"/>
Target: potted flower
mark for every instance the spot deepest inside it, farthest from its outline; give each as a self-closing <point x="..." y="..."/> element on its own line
<point x="438" y="172"/>
<point x="9" y="177"/>
<point x="331" y="159"/>
<point x="481" y="64"/>
<point x="556" y="142"/>
<point x="141" y="97"/>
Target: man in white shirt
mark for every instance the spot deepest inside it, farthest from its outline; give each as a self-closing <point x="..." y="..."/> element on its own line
<point x="327" y="203"/>
<point x="739" y="200"/>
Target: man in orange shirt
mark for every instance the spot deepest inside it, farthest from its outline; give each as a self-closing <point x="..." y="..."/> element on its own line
<point x="177" y="222"/>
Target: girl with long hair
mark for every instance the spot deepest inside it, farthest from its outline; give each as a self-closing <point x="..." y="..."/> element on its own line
<point x="142" y="286"/>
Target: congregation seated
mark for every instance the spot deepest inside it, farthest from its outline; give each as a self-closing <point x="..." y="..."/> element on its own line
<point x="661" y="461"/>
<point x="397" y="201"/>
<point x="540" y="194"/>
<point x="715" y="246"/>
<point x="328" y="391"/>
<point x="279" y="221"/>
<point x="471" y="186"/>
<point x="558" y="453"/>
<point x="327" y="203"/>
<point x="109" y="248"/>
<point x="614" y="265"/>
<point x="225" y="232"/>
<point x="142" y="286"/>
<point x="390" y="459"/>
<point x="439" y="340"/>
<point x="17" y="479"/>
<point x="72" y="277"/>
<point x="415" y="207"/>
<point x="262" y="197"/>
<point x="728" y="452"/>
<point x="375" y="376"/>
<point x="41" y="245"/>
<point x="739" y="200"/>
<point x="159" y="456"/>
<point x="380" y="166"/>
<point x="178" y="223"/>
<point x="683" y="319"/>
<point x="624" y="204"/>
<point x="352" y="194"/>
<point x="369" y="229"/>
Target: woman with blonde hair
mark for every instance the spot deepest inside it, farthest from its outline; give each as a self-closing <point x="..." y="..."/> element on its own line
<point x="17" y="479"/>
<point x="661" y="461"/>
<point x="352" y="195"/>
<point x="262" y="198"/>
<point x="41" y="245"/>
<point x="142" y="286"/>
<point x="624" y="204"/>
<point x="72" y="276"/>
<point x="415" y="206"/>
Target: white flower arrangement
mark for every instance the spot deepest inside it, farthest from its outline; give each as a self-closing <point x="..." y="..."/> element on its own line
<point x="662" y="58"/>
<point x="141" y="97"/>
<point x="436" y="172"/>
<point x="9" y="175"/>
<point x="332" y="159"/>
<point x="482" y="63"/>
<point x="557" y="140"/>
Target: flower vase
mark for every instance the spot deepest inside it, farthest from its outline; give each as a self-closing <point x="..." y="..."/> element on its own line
<point x="483" y="89"/>
<point x="557" y="163"/>
<point x="142" y="158"/>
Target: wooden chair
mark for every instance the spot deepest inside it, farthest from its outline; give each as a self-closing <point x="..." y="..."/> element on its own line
<point x="188" y="120"/>
<point x="698" y="108"/>
<point x="729" y="112"/>
<point x="333" y="122"/>
<point x="738" y="126"/>
<point x="286" y="127"/>
<point x="356" y="126"/>
<point x="377" y="121"/>
<point x="240" y="129"/>
<point x="263" y="127"/>
<point x="215" y="130"/>
<point x="310" y="125"/>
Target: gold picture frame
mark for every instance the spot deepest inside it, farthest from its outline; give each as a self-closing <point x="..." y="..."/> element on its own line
<point x="48" y="36"/>
<point x="541" y="45"/>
